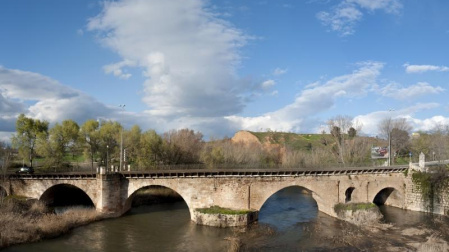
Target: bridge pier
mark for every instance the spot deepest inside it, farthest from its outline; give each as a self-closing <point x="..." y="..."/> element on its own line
<point x="109" y="200"/>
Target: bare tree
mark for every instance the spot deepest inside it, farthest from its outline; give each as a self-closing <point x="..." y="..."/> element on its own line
<point x="439" y="143"/>
<point x="182" y="146"/>
<point x="388" y="124"/>
<point x="338" y="126"/>
<point x="397" y="131"/>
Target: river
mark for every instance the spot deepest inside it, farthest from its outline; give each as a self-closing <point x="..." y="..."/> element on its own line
<point x="288" y="221"/>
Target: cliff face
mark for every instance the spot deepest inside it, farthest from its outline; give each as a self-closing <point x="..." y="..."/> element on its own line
<point x="245" y="137"/>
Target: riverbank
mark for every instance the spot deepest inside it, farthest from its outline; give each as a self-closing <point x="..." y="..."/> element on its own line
<point x="320" y="235"/>
<point x="24" y="221"/>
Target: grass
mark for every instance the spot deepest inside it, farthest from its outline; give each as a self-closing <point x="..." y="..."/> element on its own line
<point x="220" y="210"/>
<point x="24" y="221"/>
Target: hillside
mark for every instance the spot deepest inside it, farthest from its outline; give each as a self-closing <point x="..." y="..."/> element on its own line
<point x="293" y="141"/>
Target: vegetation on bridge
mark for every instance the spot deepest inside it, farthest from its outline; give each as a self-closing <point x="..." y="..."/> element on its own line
<point x="221" y="210"/>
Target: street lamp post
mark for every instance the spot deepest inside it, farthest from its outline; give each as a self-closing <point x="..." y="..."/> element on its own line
<point x="121" y="142"/>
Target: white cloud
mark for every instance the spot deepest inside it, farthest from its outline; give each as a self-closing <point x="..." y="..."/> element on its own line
<point x="279" y="71"/>
<point x="267" y="84"/>
<point x="116" y="69"/>
<point x="396" y="91"/>
<point x="424" y="68"/>
<point x="22" y="85"/>
<point x="371" y="121"/>
<point x="389" y="6"/>
<point x="316" y="99"/>
<point x="429" y="124"/>
<point x="188" y="54"/>
<point x="43" y="98"/>
<point x="344" y="17"/>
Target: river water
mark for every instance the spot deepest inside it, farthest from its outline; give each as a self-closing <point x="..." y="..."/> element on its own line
<point x="288" y="221"/>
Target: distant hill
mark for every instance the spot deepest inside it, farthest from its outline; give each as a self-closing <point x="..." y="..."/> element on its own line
<point x="293" y="141"/>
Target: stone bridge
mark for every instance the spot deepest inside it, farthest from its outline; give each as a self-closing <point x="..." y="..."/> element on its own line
<point x="236" y="189"/>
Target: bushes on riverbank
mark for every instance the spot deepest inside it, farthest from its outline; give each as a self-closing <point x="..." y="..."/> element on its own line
<point x="25" y="221"/>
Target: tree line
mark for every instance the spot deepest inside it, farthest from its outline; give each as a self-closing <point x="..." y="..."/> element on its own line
<point x="98" y="142"/>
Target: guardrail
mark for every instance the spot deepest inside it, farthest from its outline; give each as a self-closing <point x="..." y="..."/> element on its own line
<point x="198" y="173"/>
<point x="257" y="173"/>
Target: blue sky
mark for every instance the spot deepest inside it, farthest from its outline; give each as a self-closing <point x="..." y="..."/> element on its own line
<point x="222" y="66"/>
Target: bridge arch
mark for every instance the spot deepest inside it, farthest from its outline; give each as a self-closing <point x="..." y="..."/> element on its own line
<point x="66" y="195"/>
<point x="132" y="194"/>
<point x="266" y="194"/>
<point x="348" y="194"/>
<point x="388" y="196"/>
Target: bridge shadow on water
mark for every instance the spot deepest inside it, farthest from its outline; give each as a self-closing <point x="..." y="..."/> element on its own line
<point x="64" y="196"/>
<point x="288" y="207"/>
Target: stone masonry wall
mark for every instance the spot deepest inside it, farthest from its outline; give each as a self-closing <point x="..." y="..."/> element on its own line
<point x="415" y="201"/>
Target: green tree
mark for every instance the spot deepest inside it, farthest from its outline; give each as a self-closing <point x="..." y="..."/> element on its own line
<point x="61" y="141"/>
<point x="150" y="149"/>
<point x="28" y="131"/>
<point x="131" y="144"/>
<point x="212" y="154"/>
<point x="90" y="138"/>
<point x="109" y="142"/>
<point x="422" y="143"/>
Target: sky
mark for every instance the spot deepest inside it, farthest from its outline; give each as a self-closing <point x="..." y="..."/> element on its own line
<point x="222" y="66"/>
